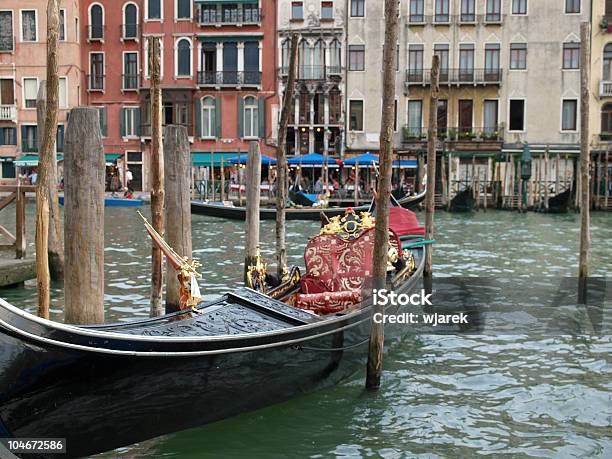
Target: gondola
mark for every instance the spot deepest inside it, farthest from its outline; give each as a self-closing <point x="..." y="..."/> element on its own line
<point x="103" y="387"/>
<point x="558" y="204"/>
<point x="217" y="209"/>
<point x="463" y="201"/>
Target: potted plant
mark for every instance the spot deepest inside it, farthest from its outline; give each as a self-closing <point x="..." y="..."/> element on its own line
<point x="452" y="134"/>
<point x="603" y="24"/>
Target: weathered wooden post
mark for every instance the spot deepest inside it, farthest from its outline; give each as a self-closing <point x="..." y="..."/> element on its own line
<point x="222" y="180"/>
<point x="253" y="185"/>
<point x="431" y="166"/>
<point x="56" y="245"/>
<point x="607" y="182"/>
<point x="178" y="205"/>
<point x="546" y="191"/>
<point x="356" y="185"/>
<point x="45" y="163"/>
<point x="381" y="237"/>
<point x="157" y="177"/>
<point x="585" y="236"/>
<point x="557" y="175"/>
<point x="450" y="180"/>
<point x="212" y="176"/>
<point x="20" y="225"/>
<point x="84" y="176"/>
<point x="281" y="160"/>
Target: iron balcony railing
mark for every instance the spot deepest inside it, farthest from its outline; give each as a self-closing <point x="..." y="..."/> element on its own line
<point x="455" y="134"/>
<point x="455" y="76"/>
<point x="130" y="31"/>
<point x="605" y="136"/>
<point x="95" y="33"/>
<point x="314" y="72"/>
<point x="7" y="44"/>
<point x="8" y="112"/>
<point x="129" y="82"/>
<point x="463" y="18"/>
<point x="217" y="17"/>
<point x="228" y="78"/>
<point x="95" y="82"/>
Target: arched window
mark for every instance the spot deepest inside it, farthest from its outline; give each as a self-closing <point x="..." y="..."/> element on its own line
<point x="96" y="22"/>
<point x="130" y="21"/>
<point x="335" y="57"/>
<point x="183" y="57"/>
<point x="318" y="60"/>
<point x="208" y="117"/>
<point x="285" y="55"/>
<point x="606" y="121"/>
<point x="305" y="60"/>
<point x="251" y="117"/>
<point x="607" y="63"/>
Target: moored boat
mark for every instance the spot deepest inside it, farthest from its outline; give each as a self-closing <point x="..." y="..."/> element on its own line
<point x="115" y="202"/>
<point x="219" y="209"/>
<point x="106" y="386"/>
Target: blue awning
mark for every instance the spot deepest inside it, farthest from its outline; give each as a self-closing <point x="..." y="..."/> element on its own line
<point x="405" y="163"/>
<point x="364" y="160"/>
<point x="243" y="159"/>
<point x="311" y="159"/>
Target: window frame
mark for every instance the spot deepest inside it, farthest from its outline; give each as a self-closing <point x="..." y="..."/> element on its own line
<point x="519" y="13"/>
<point x="64" y="29"/>
<point x="12" y="34"/>
<point x="161" y="12"/>
<point x="89" y="17"/>
<point x="176" y="57"/>
<point x="212" y="109"/>
<point x="23" y="92"/>
<point x="89" y="72"/>
<point x="350" y="101"/>
<point x="176" y="11"/>
<point x="294" y="5"/>
<point x="350" y="68"/>
<point x="357" y="10"/>
<point x="254" y="109"/>
<point x="132" y="110"/>
<point x="21" y="11"/>
<point x="325" y="6"/>
<point x="524" y="100"/>
<point x="123" y="69"/>
<point x="565" y="11"/>
<point x="574" y="50"/>
<point x="576" y="114"/>
<point x="421" y="127"/>
<point x="124" y="23"/>
<point x="145" y="58"/>
<point x="525" y="49"/>
<point x="67" y="104"/>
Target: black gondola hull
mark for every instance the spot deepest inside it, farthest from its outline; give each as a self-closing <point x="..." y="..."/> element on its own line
<point x="304" y="213"/>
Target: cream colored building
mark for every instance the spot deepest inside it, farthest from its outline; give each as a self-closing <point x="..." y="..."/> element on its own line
<point x="317" y="124"/>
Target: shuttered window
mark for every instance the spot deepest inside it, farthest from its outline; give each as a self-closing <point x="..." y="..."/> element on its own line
<point x="30" y="89"/>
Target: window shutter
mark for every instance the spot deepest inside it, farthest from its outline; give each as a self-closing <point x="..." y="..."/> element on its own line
<point x="218" y="117"/>
<point x="198" y="118"/>
<point x="24" y="136"/>
<point x="261" y="116"/>
<point x="2" y="136"/>
<point x="103" y="125"/>
<point x="122" y="122"/>
<point x="137" y="120"/>
<point x="240" y="117"/>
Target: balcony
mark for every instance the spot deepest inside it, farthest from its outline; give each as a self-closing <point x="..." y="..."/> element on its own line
<point x="460" y="19"/>
<point x="95" y="33"/>
<point x="457" y="77"/>
<point x="237" y="17"/>
<point x="229" y="78"/>
<point x="95" y="82"/>
<point x="8" y="112"/>
<point x="130" y="32"/>
<point x="129" y="82"/>
<point x="462" y="134"/>
<point x="7" y="44"/>
<point x="605" y="88"/>
<point x="314" y="72"/>
<point x="605" y="137"/>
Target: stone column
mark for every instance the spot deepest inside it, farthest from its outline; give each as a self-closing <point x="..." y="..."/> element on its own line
<point x="240" y="47"/>
<point x="219" y="57"/>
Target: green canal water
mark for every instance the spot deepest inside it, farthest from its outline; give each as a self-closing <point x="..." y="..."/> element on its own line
<point x="506" y="395"/>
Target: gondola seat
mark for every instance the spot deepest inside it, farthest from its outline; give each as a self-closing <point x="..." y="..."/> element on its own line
<point x="404" y="222"/>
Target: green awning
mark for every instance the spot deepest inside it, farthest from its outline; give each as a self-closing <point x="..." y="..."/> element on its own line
<point x="110" y="158"/>
<point x="202" y="159"/>
<point x="477" y="154"/>
<point x="32" y="160"/>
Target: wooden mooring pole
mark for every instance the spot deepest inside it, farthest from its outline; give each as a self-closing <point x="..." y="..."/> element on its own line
<point x="45" y="163"/>
<point x="157" y="177"/>
<point x="55" y="247"/>
<point x="178" y="205"/>
<point x="431" y="168"/>
<point x="253" y="196"/>
<point x="281" y="160"/>
<point x="84" y="177"/>
<point x="585" y="237"/>
<point x="381" y="230"/>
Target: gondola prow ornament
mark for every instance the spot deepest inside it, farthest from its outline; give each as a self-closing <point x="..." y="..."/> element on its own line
<point x="186" y="269"/>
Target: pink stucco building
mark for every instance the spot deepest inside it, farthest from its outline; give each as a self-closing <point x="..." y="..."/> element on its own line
<point x="23" y="25"/>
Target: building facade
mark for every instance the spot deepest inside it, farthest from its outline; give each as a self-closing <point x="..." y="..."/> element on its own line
<point x="23" y="55"/>
<point x="213" y="54"/>
<point x="318" y="122"/>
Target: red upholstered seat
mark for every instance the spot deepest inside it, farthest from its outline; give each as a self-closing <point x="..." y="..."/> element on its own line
<point x="404" y="222"/>
<point x="336" y="270"/>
